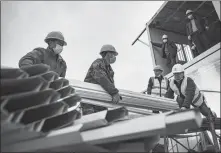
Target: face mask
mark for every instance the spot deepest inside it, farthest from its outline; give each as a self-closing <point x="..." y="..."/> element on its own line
<point x="164" y="40"/>
<point x="178" y="77"/>
<point x="58" y="49"/>
<point x="112" y="60"/>
<point x="190" y="16"/>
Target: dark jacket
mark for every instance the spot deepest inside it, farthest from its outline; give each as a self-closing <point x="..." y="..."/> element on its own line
<point x="200" y="24"/>
<point x="102" y="74"/>
<point x="183" y="100"/>
<point x="172" y="48"/>
<point x="45" y="56"/>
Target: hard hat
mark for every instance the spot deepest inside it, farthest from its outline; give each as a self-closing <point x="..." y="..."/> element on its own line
<point x="158" y="67"/>
<point x="164" y="37"/>
<point x="108" y="48"/>
<point x="177" y="68"/>
<point x="55" y="35"/>
<point x="188" y="12"/>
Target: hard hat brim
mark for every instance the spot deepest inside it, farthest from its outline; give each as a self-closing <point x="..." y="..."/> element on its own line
<point x="178" y="72"/>
<point x="115" y="53"/>
<point x="47" y="39"/>
<point x="157" y="69"/>
<point x="189" y="13"/>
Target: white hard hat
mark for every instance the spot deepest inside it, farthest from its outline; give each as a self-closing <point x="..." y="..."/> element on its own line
<point x="177" y="68"/>
<point x="188" y="12"/>
<point x="158" y="67"/>
<point x="164" y="37"/>
<point x="108" y="48"/>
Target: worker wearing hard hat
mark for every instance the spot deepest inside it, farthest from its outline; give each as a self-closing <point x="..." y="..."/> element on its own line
<point x="157" y="85"/>
<point x="49" y="56"/>
<point x="187" y="91"/>
<point x="168" y="49"/>
<point x="100" y="72"/>
<point x="196" y="29"/>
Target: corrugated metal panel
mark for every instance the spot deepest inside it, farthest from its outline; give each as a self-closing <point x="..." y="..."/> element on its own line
<point x="29" y="108"/>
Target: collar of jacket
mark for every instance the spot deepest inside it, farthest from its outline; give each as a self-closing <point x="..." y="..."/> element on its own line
<point x="105" y="62"/>
<point x="160" y="77"/>
<point x="52" y="52"/>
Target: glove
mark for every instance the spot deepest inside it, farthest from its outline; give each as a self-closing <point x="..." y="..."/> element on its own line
<point x="189" y="37"/>
<point x="183" y="108"/>
<point x="193" y="47"/>
<point x="207" y="28"/>
<point x="116" y="98"/>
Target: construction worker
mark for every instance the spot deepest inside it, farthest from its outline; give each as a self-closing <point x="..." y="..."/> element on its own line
<point x="196" y="29"/>
<point x="100" y="72"/>
<point x="168" y="49"/>
<point x="157" y="85"/>
<point x="187" y="92"/>
<point x="49" y="56"/>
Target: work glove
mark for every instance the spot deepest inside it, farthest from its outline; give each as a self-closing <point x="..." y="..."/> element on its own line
<point x="183" y="108"/>
<point x="189" y="37"/>
<point x="116" y="98"/>
<point x="193" y="47"/>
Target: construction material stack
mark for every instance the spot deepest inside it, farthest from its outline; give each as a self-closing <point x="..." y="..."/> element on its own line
<point x="40" y="112"/>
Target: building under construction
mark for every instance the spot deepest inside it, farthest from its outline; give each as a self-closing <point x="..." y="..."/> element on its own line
<point x="42" y="112"/>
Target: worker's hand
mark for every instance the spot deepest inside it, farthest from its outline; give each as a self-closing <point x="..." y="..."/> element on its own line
<point x="193" y="47"/>
<point x="183" y="108"/>
<point x="116" y="98"/>
<point x="207" y="28"/>
<point x="189" y="37"/>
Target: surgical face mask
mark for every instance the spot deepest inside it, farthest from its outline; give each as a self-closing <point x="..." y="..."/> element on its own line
<point x="178" y="76"/>
<point x="164" y="40"/>
<point x="112" y="59"/>
<point x="157" y="73"/>
<point x="58" y="49"/>
<point x="190" y="16"/>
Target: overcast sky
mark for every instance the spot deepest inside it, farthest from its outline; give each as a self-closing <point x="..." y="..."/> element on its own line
<point x="86" y="26"/>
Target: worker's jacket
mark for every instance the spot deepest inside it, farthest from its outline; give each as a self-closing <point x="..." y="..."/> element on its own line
<point x="45" y="56"/>
<point x="102" y="74"/>
<point x="200" y="24"/>
<point x="171" y="46"/>
<point x="187" y="93"/>
<point x="157" y="86"/>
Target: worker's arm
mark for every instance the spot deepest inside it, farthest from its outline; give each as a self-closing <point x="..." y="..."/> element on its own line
<point x="190" y="92"/>
<point x="173" y="45"/>
<point x="100" y="75"/>
<point x="31" y="58"/>
<point x="64" y="69"/>
<point x="149" y="87"/>
<point x="63" y="74"/>
<point x="157" y="44"/>
<point x="169" y="93"/>
<point x="188" y="30"/>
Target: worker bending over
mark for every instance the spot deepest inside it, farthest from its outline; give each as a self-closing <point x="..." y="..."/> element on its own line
<point x="100" y="72"/>
<point x="187" y="92"/>
<point x="157" y="85"/>
<point x="49" y="56"/>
